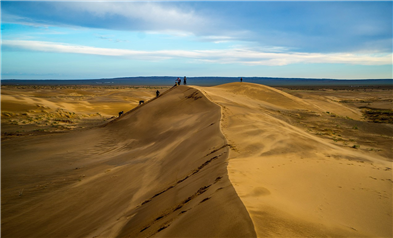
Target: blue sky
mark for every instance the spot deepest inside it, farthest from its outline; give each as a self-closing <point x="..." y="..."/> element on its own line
<point x="79" y="40"/>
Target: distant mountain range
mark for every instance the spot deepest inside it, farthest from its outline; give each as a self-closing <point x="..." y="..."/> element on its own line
<point x="202" y="81"/>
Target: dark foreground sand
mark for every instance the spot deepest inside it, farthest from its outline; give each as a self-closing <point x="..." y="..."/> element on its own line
<point x="237" y="160"/>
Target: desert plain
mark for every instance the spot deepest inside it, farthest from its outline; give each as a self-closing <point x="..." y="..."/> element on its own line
<point x="234" y="160"/>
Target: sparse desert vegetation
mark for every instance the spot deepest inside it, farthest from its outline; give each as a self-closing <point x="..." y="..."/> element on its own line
<point x="44" y="109"/>
<point x="362" y="119"/>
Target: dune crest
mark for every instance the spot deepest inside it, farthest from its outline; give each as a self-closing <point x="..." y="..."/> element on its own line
<point x="160" y="170"/>
<point x="235" y="160"/>
<point x="295" y="183"/>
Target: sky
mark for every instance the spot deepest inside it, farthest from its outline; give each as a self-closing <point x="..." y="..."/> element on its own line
<point x="106" y="39"/>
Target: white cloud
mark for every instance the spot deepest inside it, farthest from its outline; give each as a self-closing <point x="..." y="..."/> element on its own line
<point x="226" y="56"/>
<point x="10" y="18"/>
<point x="150" y="16"/>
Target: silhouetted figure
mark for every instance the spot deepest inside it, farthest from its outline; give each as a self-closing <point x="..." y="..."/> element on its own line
<point x="241" y="79"/>
<point x="120" y="113"/>
<point x="158" y="93"/>
<point x="178" y="81"/>
<point x="185" y="80"/>
<point x="141" y="102"/>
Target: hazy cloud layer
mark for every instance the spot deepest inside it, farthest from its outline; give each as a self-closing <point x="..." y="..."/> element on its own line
<point x="242" y="56"/>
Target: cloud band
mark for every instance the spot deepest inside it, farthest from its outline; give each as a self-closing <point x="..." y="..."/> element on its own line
<point x="227" y="56"/>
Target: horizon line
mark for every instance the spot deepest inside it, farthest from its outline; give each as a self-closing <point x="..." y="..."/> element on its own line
<point x="169" y="76"/>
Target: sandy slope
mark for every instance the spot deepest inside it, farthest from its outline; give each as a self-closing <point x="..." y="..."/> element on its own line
<point x="160" y="170"/>
<point x="285" y="168"/>
<point x="40" y="109"/>
<point x="294" y="183"/>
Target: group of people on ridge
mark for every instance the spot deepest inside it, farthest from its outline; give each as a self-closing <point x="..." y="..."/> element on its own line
<point x="178" y="81"/>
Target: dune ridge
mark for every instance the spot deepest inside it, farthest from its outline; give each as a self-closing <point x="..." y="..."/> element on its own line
<point x="294" y="183"/>
<point x="235" y="160"/>
<point x="159" y="170"/>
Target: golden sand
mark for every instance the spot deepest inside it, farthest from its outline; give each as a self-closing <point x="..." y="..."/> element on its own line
<point x="295" y="183"/>
<point x="236" y="160"/>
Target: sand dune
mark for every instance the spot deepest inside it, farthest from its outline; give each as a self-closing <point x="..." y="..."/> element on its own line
<point x="35" y="109"/>
<point x="294" y="183"/>
<point x="236" y="160"/>
<point x="158" y="171"/>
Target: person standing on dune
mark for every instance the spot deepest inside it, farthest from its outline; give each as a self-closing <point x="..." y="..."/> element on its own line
<point x="158" y="93"/>
<point x="185" y="80"/>
<point x="241" y="79"/>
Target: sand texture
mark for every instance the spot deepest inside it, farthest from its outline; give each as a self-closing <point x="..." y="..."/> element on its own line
<point x="160" y="170"/>
<point x="236" y="160"/>
<point x="41" y="109"/>
<point x="296" y="182"/>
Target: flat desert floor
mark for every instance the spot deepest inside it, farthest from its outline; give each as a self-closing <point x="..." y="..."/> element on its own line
<point x="235" y="160"/>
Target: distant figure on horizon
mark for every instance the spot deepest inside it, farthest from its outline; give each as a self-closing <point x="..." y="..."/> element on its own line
<point x="241" y="79"/>
<point x="158" y="93"/>
<point x="178" y="81"/>
<point x="185" y="80"/>
<point x="120" y="113"/>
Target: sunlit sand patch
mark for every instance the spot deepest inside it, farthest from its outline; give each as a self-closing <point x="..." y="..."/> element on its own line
<point x="311" y="166"/>
<point x="43" y="109"/>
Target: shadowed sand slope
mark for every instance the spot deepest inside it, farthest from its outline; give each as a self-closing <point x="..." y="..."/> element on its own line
<point x="294" y="183"/>
<point x="160" y="170"/>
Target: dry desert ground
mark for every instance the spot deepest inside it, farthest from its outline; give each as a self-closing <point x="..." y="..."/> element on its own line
<point x="235" y="160"/>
